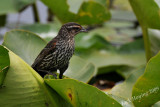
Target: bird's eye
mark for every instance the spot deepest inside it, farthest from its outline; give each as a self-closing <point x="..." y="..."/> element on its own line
<point x="77" y="28"/>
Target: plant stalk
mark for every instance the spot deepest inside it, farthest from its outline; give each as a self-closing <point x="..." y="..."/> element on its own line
<point x="147" y="44"/>
<point x="35" y="13"/>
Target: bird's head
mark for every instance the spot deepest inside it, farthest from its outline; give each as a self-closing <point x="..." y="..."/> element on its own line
<point x="74" y="28"/>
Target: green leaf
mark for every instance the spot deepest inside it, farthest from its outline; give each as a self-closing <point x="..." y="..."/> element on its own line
<point x="24" y="87"/>
<point x="154" y="36"/>
<point x="124" y="89"/>
<point x="107" y="61"/>
<point x="156" y="104"/>
<point x="137" y="45"/>
<point x="27" y="45"/>
<point x="141" y="9"/>
<point x="4" y="63"/>
<point x="80" y="69"/>
<point x="122" y="5"/>
<point x="43" y="30"/>
<point x="79" y="94"/>
<point x="122" y="101"/>
<point x="123" y="15"/>
<point x="89" y="12"/>
<point x="146" y="91"/>
<point x="125" y="71"/>
<point x="113" y="36"/>
<point x="10" y="6"/>
<point x="106" y="57"/>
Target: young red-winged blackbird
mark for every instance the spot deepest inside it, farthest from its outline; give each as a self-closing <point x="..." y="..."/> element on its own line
<point x="57" y="53"/>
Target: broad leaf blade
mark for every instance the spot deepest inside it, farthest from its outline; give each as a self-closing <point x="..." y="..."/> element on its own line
<point x="148" y="12"/>
<point x="10" y="6"/>
<point x="25" y="44"/>
<point x="4" y="63"/>
<point x="146" y="91"/>
<point x="124" y="89"/>
<point x="80" y="69"/>
<point x="89" y="12"/>
<point x="23" y="86"/>
<point x="81" y="95"/>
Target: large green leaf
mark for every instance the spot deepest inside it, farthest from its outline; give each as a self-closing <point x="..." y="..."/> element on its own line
<point x="148" y="12"/>
<point x="122" y="5"/>
<point x="24" y="87"/>
<point x="25" y="44"/>
<point x="28" y="45"/>
<point x="81" y="95"/>
<point x="154" y="36"/>
<point x="80" y="69"/>
<point x="151" y="20"/>
<point x="84" y="12"/>
<point x="156" y="104"/>
<point x="43" y="30"/>
<point x="124" y="89"/>
<point x="4" y="63"/>
<point x="10" y="6"/>
<point x="146" y="91"/>
<point x="122" y="101"/>
<point x="107" y="60"/>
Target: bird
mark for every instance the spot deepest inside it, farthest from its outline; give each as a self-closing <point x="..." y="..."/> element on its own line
<point x="58" y="52"/>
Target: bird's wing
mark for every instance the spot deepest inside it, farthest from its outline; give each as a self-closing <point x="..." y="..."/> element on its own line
<point x="49" y="47"/>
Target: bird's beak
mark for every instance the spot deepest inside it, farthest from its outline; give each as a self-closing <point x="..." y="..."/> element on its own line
<point x="83" y="30"/>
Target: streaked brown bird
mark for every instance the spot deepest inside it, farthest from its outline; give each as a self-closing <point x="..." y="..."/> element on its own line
<point x="57" y="53"/>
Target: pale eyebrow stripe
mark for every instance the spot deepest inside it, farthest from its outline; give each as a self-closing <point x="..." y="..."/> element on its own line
<point x="77" y="26"/>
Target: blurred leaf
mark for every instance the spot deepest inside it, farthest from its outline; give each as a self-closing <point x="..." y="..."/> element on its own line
<point x="80" y="94"/>
<point x="24" y="87"/>
<point x="2" y="20"/>
<point x="112" y="35"/>
<point x="118" y="24"/>
<point x="28" y="45"/>
<point x="10" y="6"/>
<point x="80" y="69"/>
<point x="156" y="104"/>
<point x="43" y="30"/>
<point x="25" y="44"/>
<point x="4" y="63"/>
<point x="122" y="101"/>
<point x="106" y="60"/>
<point x="146" y="90"/>
<point x="125" y="71"/>
<point x="123" y="15"/>
<point x="151" y="20"/>
<point x="122" y="5"/>
<point x="124" y="89"/>
<point x="102" y="2"/>
<point x="49" y="30"/>
<point x="137" y="45"/>
<point x="90" y="12"/>
<point x="46" y="31"/>
<point x="154" y="36"/>
<point x="87" y="41"/>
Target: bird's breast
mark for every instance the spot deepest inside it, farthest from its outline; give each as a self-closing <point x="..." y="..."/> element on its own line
<point x="64" y="52"/>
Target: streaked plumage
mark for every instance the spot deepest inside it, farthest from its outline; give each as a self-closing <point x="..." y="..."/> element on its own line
<point x="58" y="51"/>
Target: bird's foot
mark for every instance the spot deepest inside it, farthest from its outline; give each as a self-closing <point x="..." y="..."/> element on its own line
<point x="54" y="75"/>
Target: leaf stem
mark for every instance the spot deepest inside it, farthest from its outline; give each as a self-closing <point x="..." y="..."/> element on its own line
<point x="35" y="13"/>
<point x="146" y="43"/>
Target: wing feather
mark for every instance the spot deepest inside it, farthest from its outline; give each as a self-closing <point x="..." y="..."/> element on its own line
<point x="48" y="48"/>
